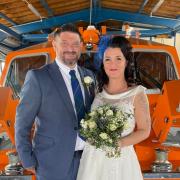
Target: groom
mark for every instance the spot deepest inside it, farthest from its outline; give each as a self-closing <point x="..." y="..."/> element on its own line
<point x="55" y="98"/>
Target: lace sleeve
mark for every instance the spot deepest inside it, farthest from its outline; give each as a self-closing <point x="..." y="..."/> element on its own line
<point x="97" y="101"/>
<point x="142" y="113"/>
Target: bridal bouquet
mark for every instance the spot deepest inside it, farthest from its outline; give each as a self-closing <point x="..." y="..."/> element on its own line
<point x="103" y="127"/>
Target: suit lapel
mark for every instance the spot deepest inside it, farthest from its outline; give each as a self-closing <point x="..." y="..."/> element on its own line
<point x="58" y="80"/>
<point x="86" y="92"/>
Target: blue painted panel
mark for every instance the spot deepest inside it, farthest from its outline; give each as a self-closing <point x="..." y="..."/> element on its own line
<point x="7" y="30"/>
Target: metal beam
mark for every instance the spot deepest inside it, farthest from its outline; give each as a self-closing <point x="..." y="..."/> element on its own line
<point x="154" y="32"/>
<point x="52" y="22"/>
<point x="135" y="18"/>
<point x="33" y="9"/>
<point x="4" y="52"/>
<point x="6" y="47"/>
<point x="103" y="15"/>
<point x="2" y="57"/>
<point x="7" y="19"/>
<point x="35" y="37"/>
<point x="142" y="5"/>
<point x="175" y="40"/>
<point x="96" y="7"/>
<point x="26" y="45"/>
<point x="6" y="30"/>
<point x="2" y="36"/>
<point x="156" y="7"/>
<point x="98" y="3"/>
<point x="177" y="29"/>
<point x="46" y="6"/>
<point x="145" y="26"/>
<point x="143" y="33"/>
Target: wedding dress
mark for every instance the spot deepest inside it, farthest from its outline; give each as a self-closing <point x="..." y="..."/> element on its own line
<point x="94" y="164"/>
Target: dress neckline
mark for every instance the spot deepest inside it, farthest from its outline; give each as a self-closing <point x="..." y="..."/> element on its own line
<point x="127" y="93"/>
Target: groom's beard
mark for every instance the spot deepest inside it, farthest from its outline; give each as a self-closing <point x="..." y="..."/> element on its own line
<point x="70" y="58"/>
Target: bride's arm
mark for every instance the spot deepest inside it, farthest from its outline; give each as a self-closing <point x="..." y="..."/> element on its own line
<point x="143" y="121"/>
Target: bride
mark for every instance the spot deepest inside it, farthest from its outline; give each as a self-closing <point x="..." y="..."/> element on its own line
<point x="115" y="90"/>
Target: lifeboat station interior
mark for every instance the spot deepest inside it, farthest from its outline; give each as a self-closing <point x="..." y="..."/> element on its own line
<point x="27" y="29"/>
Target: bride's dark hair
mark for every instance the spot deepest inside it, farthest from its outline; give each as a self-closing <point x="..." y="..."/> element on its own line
<point x="125" y="46"/>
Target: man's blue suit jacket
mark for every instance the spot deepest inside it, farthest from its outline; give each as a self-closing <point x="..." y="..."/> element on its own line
<point x="46" y="101"/>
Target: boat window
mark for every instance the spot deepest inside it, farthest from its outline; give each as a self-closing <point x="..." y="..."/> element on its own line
<point x="19" y="67"/>
<point x="153" y="68"/>
<point x="149" y="69"/>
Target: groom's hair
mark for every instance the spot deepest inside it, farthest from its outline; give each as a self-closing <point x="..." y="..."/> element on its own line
<point x="70" y="27"/>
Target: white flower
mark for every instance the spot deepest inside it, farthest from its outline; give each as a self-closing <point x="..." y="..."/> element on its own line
<point x="82" y="121"/>
<point x="126" y="125"/>
<point x="119" y="113"/>
<point x="112" y="127"/>
<point x="110" y="140"/>
<point x="92" y="124"/>
<point x="92" y="113"/>
<point x="103" y="136"/>
<point x="88" y="80"/>
<point x="84" y="124"/>
<point x="100" y="110"/>
<point x="109" y="113"/>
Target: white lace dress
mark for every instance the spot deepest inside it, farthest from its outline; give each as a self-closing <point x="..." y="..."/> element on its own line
<point x="94" y="165"/>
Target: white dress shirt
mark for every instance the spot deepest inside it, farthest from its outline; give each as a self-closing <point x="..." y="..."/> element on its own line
<point x="67" y="79"/>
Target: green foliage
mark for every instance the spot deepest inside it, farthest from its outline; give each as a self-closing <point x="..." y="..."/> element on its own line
<point x="103" y="127"/>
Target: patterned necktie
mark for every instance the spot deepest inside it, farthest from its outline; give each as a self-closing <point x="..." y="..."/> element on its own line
<point x="78" y="96"/>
